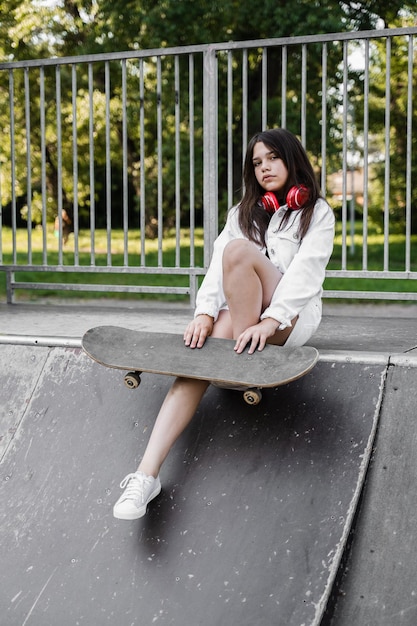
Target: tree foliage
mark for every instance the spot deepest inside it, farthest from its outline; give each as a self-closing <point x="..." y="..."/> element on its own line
<point x="33" y="29"/>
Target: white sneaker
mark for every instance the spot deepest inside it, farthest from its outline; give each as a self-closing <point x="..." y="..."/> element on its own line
<point x="140" y="490"/>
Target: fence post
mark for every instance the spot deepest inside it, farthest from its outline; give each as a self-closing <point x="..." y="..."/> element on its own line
<point x="210" y="147"/>
<point x="9" y="286"/>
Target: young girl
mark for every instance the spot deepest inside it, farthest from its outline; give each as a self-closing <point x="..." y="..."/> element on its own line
<point x="264" y="285"/>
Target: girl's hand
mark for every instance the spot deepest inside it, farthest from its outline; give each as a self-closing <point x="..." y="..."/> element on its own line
<point x="198" y="330"/>
<point x="256" y="335"/>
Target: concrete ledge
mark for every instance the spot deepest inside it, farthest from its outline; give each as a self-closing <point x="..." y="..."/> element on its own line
<point x="359" y="357"/>
<point x="348" y="333"/>
<point x="44" y="341"/>
<point x="404" y="360"/>
<point x="327" y="356"/>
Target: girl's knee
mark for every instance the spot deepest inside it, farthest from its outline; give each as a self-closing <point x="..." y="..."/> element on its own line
<point x="236" y="251"/>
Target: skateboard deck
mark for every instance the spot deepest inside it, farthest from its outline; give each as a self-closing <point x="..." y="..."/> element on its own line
<point x="217" y="362"/>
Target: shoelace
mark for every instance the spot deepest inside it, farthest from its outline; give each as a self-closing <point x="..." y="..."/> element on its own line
<point x="135" y="486"/>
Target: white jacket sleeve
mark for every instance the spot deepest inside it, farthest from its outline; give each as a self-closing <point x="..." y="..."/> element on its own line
<point x="303" y="269"/>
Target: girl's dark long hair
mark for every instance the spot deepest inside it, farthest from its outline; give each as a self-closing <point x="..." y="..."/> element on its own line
<point x="253" y="219"/>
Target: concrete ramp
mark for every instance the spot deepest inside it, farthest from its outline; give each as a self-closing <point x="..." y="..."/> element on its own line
<point x="378" y="584"/>
<point x="251" y="525"/>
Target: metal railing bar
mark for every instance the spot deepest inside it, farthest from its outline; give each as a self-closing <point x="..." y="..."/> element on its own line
<point x="344" y="155"/>
<point x="159" y="156"/>
<point x="101" y="288"/>
<point x="9" y="289"/>
<point x="59" y="160"/>
<point x="323" y="181"/>
<point x="125" y="217"/>
<point x="28" y="164"/>
<point x="387" y="150"/>
<point x="150" y="269"/>
<point x="210" y="151"/>
<point x="114" y="269"/>
<point x="284" y="66"/>
<point x="264" y="89"/>
<point x="177" y="114"/>
<point x="75" y="216"/>
<point x="244" y="102"/>
<point x="107" y="86"/>
<point x="303" y="94"/>
<point x="409" y="154"/>
<point x="229" y="128"/>
<point x="308" y="39"/>
<point x="220" y="46"/>
<point x="43" y="165"/>
<point x="370" y="274"/>
<point x="365" y="158"/>
<point x="371" y="295"/>
<point x="13" y="165"/>
<point x="91" y="168"/>
<point x="142" y="200"/>
<point x="191" y="148"/>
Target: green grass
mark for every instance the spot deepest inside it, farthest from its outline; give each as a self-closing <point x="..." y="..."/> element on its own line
<point x="375" y="262"/>
<point x="100" y="260"/>
<point x="375" y="252"/>
<point x="354" y="262"/>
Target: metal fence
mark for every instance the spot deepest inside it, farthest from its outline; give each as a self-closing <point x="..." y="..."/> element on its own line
<point x="122" y="166"/>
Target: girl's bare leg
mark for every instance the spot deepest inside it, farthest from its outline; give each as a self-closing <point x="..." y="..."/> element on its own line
<point x="175" y="414"/>
<point x="177" y="410"/>
<point x="249" y="281"/>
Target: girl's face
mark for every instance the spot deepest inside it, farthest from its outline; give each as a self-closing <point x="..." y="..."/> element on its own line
<point x="270" y="171"/>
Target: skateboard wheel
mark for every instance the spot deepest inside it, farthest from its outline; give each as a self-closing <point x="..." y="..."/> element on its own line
<point x="132" y="380"/>
<point x="252" y="396"/>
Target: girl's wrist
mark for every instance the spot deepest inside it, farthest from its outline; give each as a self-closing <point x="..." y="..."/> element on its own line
<point x="273" y="320"/>
<point x="206" y="315"/>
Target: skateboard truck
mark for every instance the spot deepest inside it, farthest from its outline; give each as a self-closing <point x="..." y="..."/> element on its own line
<point x="132" y="380"/>
<point x="251" y="396"/>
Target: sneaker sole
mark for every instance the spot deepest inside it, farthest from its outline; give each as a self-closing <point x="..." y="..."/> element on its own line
<point x="140" y="512"/>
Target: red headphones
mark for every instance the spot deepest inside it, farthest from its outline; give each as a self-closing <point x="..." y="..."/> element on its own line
<point x="296" y="198"/>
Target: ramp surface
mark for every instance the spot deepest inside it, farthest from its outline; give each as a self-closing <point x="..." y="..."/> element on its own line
<point x="379" y="585"/>
<point x="256" y="506"/>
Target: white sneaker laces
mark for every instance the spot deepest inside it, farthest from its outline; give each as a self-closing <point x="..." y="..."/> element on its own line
<point x="135" y="486"/>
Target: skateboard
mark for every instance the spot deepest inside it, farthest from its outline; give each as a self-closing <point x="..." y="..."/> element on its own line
<point x="217" y="362"/>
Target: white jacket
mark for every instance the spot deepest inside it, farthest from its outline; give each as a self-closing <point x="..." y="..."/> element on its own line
<point x="302" y="263"/>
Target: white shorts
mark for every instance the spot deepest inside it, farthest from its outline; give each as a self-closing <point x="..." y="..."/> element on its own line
<point x="308" y="322"/>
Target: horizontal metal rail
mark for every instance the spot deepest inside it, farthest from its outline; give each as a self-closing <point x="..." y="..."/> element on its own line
<point x="229" y="45"/>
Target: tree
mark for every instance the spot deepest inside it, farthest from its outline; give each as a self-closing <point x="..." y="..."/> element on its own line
<point x="75" y="27"/>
